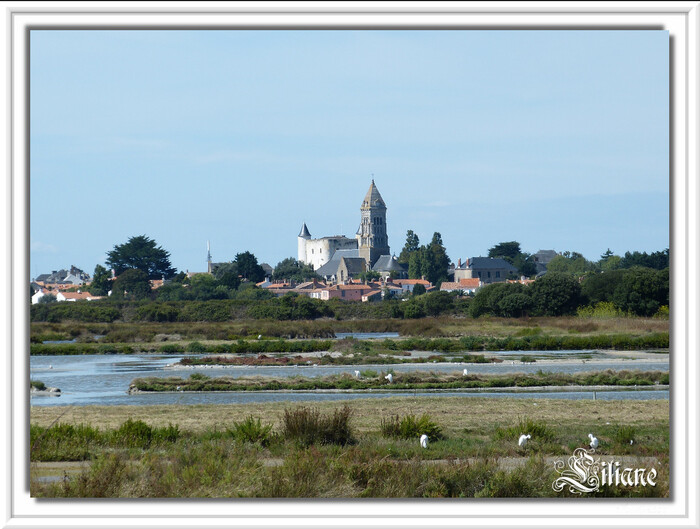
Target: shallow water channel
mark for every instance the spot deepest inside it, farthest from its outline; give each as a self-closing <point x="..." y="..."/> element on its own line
<point x="104" y="379"/>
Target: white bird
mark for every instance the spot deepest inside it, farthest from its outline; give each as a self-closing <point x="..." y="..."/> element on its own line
<point x="259" y="336"/>
<point x="424" y="441"/>
<point x="50" y="367"/>
<point x="523" y="439"/>
<point x="390" y="378"/>
<point x="465" y="372"/>
<point x="594" y="441"/>
<point x="357" y="374"/>
<point x="631" y="441"/>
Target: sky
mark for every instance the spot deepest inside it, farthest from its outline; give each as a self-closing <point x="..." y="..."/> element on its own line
<point x="555" y="139"/>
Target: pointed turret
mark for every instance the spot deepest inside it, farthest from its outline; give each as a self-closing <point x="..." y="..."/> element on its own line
<point x="304" y="233"/>
<point x="303" y="236"/>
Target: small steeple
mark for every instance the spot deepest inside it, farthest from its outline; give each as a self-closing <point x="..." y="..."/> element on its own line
<point x="304" y="233"/>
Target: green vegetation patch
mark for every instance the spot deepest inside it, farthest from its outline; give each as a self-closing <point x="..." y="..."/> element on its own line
<point x="401" y="381"/>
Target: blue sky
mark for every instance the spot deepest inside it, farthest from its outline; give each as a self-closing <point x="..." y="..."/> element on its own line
<point x="556" y="139"/>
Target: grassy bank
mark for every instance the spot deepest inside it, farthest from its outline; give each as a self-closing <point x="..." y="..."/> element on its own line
<point x="401" y="381"/>
<point x="528" y="342"/>
<point x="278" y="450"/>
<point x="429" y="327"/>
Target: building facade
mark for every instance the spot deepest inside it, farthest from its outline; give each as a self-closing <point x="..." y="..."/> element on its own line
<point x="370" y="243"/>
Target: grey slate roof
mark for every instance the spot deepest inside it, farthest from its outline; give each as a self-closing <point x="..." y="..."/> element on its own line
<point x="354" y="265"/>
<point x="544" y="256"/>
<point x="388" y="263"/>
<point x="489" y="263"/>
<point x="373" y="198"/>
<point x="331" y="267"/>
<point x="304" y="231"/>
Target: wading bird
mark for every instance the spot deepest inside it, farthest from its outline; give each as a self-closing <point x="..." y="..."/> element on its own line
<point x="390" y="378"/>
<point x="465" y="372"/>
<point x="523" y="439"/>
<point x="357" y="374"/>
<point x="424" y="441"/>
<point x="594" y="441"/>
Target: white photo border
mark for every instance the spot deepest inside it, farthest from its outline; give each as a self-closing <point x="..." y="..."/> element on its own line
<point x="680" y="19"/>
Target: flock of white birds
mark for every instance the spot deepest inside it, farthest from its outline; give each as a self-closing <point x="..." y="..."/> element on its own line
<point x="522" y="441"/>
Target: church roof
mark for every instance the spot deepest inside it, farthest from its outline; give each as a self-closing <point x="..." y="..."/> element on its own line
<point x="354" y="265"/>
<point x="388" y="263"/>
<point x="331" y="267"/>
<point x="304" y="231"/>
<point x="373" y="198"/>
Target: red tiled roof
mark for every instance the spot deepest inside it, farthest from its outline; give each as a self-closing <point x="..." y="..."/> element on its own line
<point x="412" y="282"/>
<point x="448" y="285"/>
<point x="470" y="282"/>
<point x="79" y="295"/>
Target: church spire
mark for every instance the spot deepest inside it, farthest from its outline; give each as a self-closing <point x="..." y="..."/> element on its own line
<point x="373" y="198"/>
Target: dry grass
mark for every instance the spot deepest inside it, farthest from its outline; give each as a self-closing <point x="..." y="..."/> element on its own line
<point x="452" y="413"/>
<point x="558" y="326"/>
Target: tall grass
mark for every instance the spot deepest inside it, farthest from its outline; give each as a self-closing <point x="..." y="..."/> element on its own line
<point x="251" y="430"/>
<point x="411" y="427"/>
<point x="308" y="426"/>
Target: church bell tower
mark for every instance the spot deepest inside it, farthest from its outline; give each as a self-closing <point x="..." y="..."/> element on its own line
<point x="372" y="239"/>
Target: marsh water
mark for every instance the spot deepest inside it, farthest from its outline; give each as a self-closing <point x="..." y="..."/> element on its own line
<point x="105" y="379"/>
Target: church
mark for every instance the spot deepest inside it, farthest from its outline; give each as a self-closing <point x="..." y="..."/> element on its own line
<point x="340" y="258"/>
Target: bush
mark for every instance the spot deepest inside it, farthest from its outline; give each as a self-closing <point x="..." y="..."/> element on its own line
<point x="410" y="427"/>
<point x="624" y="434"/>
<point x="196" y="347"/>
<point x="38" y="384"/>
<point x="537" y="429"/>
<point x="307" y="426"/>
<point x="251" y="430"/>
<point x="133" y="434"/>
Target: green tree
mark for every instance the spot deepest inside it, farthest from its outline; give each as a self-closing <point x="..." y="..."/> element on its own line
<point x="249" y="268"/>
<point x="487" y="300"/>
<point x="655" y="260"/>
<point x="415" y="262"/>
<point x="369" y="275"/>
<point x="435" y="261"/>
<point x="506" y="250"/>
<point x="47" y="298"/>
<point x="609" y="261"/>
<point x="525" y="263"/>
<point x="101" y="283"/>
<point x="515" y="305"/>
<point x="600" y="287"/>
<point x="571" y="263"/>
<point x="143" y="254"/>
<point x="292" y="269"/>
<point x="226" y="274"/>
<point x="642" y="291"/>
<point x="131" y="284"/>
<point x="437" y="302"/>
<point x="510" y="251"/>
<point x="418" y="290"/>
<point x="555" y="294"/>
<point x="204" y="287"/>
<point x="412" y="245"/>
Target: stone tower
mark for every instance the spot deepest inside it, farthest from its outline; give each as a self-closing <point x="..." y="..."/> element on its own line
<point x="372" y="239"/>
<point x="303" y="236"/>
